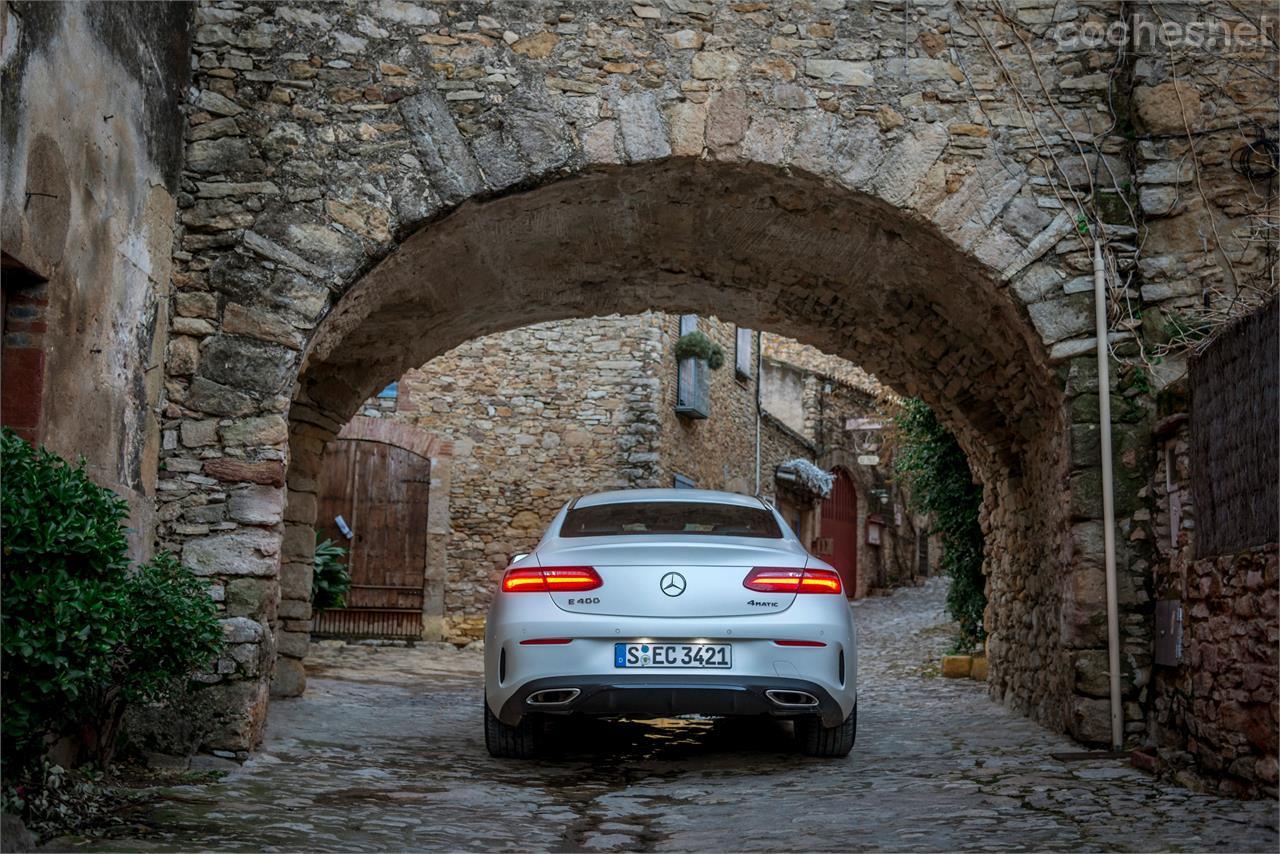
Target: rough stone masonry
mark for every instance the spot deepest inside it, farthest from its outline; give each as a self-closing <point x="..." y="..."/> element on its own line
<point x="912" y="186"/>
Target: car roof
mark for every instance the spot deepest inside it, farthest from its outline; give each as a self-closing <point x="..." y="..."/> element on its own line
<point x="709" y="496"/>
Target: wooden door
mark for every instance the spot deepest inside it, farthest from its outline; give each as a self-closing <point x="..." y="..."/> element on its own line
<point x="381" y="493"/>
<point x="840" y="528"/>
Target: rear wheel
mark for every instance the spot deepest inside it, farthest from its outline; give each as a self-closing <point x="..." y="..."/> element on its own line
<point x="504" y="741"/>
<point x="829" y="741"/>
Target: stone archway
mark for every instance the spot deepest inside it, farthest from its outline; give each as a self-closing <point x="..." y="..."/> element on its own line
<point x="789" y="252"/>
<point x="441" y="211"/>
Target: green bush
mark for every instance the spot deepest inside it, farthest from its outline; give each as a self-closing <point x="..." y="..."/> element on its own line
<point x="698" y="345"/>
<point x="937" y="475"/>
<point x="83" y="636"/>
<point x="173" y="628"/>
<point x="331" y="580"/>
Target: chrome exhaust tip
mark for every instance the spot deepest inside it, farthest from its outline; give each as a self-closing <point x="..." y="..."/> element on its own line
<point x="553" y="697"/>
<point x="792" y="699"/>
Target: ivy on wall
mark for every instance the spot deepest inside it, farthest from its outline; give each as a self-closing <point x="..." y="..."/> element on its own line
<point x="936" y="473"/>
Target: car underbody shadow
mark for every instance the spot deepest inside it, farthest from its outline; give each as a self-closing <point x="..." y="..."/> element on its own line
<point x="666" y="739"/>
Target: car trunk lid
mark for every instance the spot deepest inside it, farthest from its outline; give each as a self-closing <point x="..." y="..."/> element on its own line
<point x="696" y="579"/>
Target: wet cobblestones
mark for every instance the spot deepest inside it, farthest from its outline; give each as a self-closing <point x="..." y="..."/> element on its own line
<point x="386" y="752"/>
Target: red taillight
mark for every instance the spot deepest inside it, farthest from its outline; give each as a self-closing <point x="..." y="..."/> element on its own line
<point x="551" y="578"/>
<point x="821" y="581"/>
<point x="545" y="641"/>
<point x="776" y="579"/>
<point x="799" y="643"/>
<point x="520" y="580"/>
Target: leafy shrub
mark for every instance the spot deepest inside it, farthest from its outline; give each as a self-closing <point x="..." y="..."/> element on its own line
<point x="698" y="345"/>
<point x="83" y="636"/>
<point x="331" y="579"/>
<point x="173" y="629"/>
<point x="937" y="475"/>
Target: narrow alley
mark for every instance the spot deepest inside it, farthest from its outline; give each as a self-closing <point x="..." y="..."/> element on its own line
<point x="385" y="752"/>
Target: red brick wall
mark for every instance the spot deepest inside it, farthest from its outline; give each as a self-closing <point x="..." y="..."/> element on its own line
<point x="22" y="359"/>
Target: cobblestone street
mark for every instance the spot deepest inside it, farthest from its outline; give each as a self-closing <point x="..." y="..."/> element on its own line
<point x="386" y="751"/>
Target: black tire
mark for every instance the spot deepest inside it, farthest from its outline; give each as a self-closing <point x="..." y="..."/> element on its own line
<point x="512" y="742"/>
<point x="833" y="742"/>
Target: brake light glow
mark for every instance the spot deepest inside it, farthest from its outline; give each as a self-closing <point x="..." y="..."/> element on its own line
<point x="799" y="643"/>
<point x="776" y="579"/>
<point x="549" y="579"/>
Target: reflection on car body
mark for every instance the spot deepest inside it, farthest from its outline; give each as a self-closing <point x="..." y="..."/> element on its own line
<point x="672" y="622"/>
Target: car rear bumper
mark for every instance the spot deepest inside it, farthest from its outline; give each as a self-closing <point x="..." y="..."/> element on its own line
<point x="659" y="695"/>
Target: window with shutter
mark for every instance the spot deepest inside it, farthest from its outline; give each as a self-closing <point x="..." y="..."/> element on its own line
<point x="693" y="386"/>
<point x="742" y="352"/>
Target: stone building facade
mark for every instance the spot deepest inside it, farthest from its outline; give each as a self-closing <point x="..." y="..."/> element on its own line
<point x="362" y="187"/>
<point x="840" y="413"/>
<point x="91" y="158"/>
<point x="1214" y="718"/>
<point x="541" y="414"/>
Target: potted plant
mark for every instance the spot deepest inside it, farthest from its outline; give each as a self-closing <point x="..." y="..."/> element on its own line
<point x="697" y="345"/>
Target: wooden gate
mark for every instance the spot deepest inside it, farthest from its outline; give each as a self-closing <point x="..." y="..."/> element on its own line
<point x="381" y="492"/>
<point x="840" y="529"/>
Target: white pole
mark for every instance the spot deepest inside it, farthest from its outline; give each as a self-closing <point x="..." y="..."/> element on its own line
<point x="1108" y="500"/>
<point x="759" y="366"/>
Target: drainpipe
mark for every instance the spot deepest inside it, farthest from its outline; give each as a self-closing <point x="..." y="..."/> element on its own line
<point x="1108" y="499"/>
<point x="759" y="368"/>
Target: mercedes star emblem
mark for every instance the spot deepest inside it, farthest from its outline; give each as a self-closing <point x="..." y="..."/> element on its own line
<point x="672" y="584"/>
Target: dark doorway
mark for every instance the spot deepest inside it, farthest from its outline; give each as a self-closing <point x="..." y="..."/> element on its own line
<point x="23" y="301"/>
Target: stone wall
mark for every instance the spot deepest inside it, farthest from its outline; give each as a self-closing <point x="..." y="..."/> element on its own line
<point x="812" y="360"/>
<point x="537" y="416"/>
<point x="1195" y="112"/>
<point x="90" y="154"/>
<point x="1203" y="193"/>
<point x="1082" y="627"/>
<point x="783" y="394"/>
<point x="1214" y="714"/>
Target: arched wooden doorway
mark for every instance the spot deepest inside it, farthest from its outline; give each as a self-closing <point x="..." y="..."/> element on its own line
<point x="840" y="530"/>
<point x="377" y="478"/>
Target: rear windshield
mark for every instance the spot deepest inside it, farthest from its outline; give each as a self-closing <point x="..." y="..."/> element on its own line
<point x="670" y="517"/>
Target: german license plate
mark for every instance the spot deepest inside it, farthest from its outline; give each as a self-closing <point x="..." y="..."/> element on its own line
<point x="712" y="655"/>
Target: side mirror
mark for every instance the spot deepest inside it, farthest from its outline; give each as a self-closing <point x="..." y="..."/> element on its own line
<point x="516" y="558"/>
